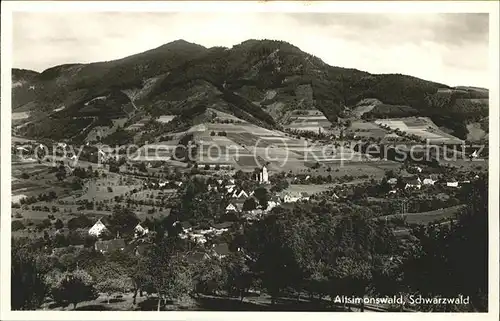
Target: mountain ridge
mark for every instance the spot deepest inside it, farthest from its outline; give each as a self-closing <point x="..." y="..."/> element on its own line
<point x="239" y="80"/>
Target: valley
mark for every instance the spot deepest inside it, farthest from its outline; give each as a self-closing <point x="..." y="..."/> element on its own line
<point x="252" y="177"/>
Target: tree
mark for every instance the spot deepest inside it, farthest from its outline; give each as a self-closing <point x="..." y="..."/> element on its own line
<point x="142" y="167"/>
<point x="170" y="274"/>
<point x="17" y="225"/>
<point x="262" y="196"/>
<point x="453" y="259"/>
<point x="209" y="276"/>
<point x="58" y="224"/>
<point x="112" y="276"/>
<point x="76" y="184"/>
<point x="123" y="220"/>
<point x="61" y="173"/>
<point x="238" y="277"/>
<point x="351" y="277"/>
<point x="28" y="287"/>
<point x="81" y="221"/>
<point x="72" y="287"/>
<point x="249" y="204"/>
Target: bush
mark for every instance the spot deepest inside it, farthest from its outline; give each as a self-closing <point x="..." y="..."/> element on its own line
<point x="58" y="224"/>
<point x="73" y="287"/>
<point x="81" y="221"/>
<point x="43" y="224"/>
<point x="17" y="225"/>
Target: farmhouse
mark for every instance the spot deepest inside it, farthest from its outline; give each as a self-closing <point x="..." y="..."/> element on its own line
<point x="392" y="181"/>
<point x="97" y="229"/>
<point x="230" y="188"/>
<point x="196" y="237"/>
<point x="428" y="181"/>
<point x="140" y="231"/>
<point x="109" y="246"/>
<point x="294" y="197"/>
<point x="220" y="250"/>
<point x="231" y="208"/>
<point x="240" y="195"/>
<point x="271" y="205"/>
<point x="414" y="183"/>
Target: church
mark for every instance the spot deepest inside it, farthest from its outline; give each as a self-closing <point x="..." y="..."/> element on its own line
<point x="262" y="176"/>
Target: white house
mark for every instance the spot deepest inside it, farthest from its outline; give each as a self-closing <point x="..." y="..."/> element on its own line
<point x="140" y="231"/>
<point x="271" y="205"/>
<point x="452" y="184"/>
<point x="428" y="181"/>
<point x="97" y="229"/>
<point x="241" y="194"/>
<point x="292" y="198"/>
<point x="231" y="208"/>
<point x="392" y="181"/>
<point x="414" y="183"/>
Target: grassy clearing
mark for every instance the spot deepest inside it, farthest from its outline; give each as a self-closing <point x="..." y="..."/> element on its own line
<point x="424" y="218"/>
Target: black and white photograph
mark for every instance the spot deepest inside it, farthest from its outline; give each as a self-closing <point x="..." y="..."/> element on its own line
<point x="252" y="158"/>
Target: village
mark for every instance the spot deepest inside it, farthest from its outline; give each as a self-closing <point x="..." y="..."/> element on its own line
<point x="244" y="197"/>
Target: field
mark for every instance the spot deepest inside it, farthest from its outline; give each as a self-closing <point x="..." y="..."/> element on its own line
<point x="99" y="132"/>
<point x="424" y="218"/>
<point x="162" y="119"/>
<point x="366" y="129"/>
<point x="247" y="146"/>
<point x="307" y="120"/>
<point x="419" y="126"/>
<point x="40" y="180"/>
<point x="309" y="189"/>
<point x="475" y="132"/>
<point x="153" y="152"/>
<point x="364" y="106"/>
<point x="70" y="203"/>
<point x="20" y="115"/>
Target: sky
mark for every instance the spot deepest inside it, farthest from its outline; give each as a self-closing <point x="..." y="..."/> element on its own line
<point x="448" y="48"/>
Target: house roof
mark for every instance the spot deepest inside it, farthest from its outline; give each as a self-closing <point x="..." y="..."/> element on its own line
<point x="392" y="180"/>
<point x="221" y="249"/>
<point x="195" y="257"/>
<point x="111" y="245"/>
<point x="185" y="224"/>
<point x="223" y="225"/>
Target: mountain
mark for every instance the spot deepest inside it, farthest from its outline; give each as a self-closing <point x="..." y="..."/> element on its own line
<point x="258" y="81"/>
